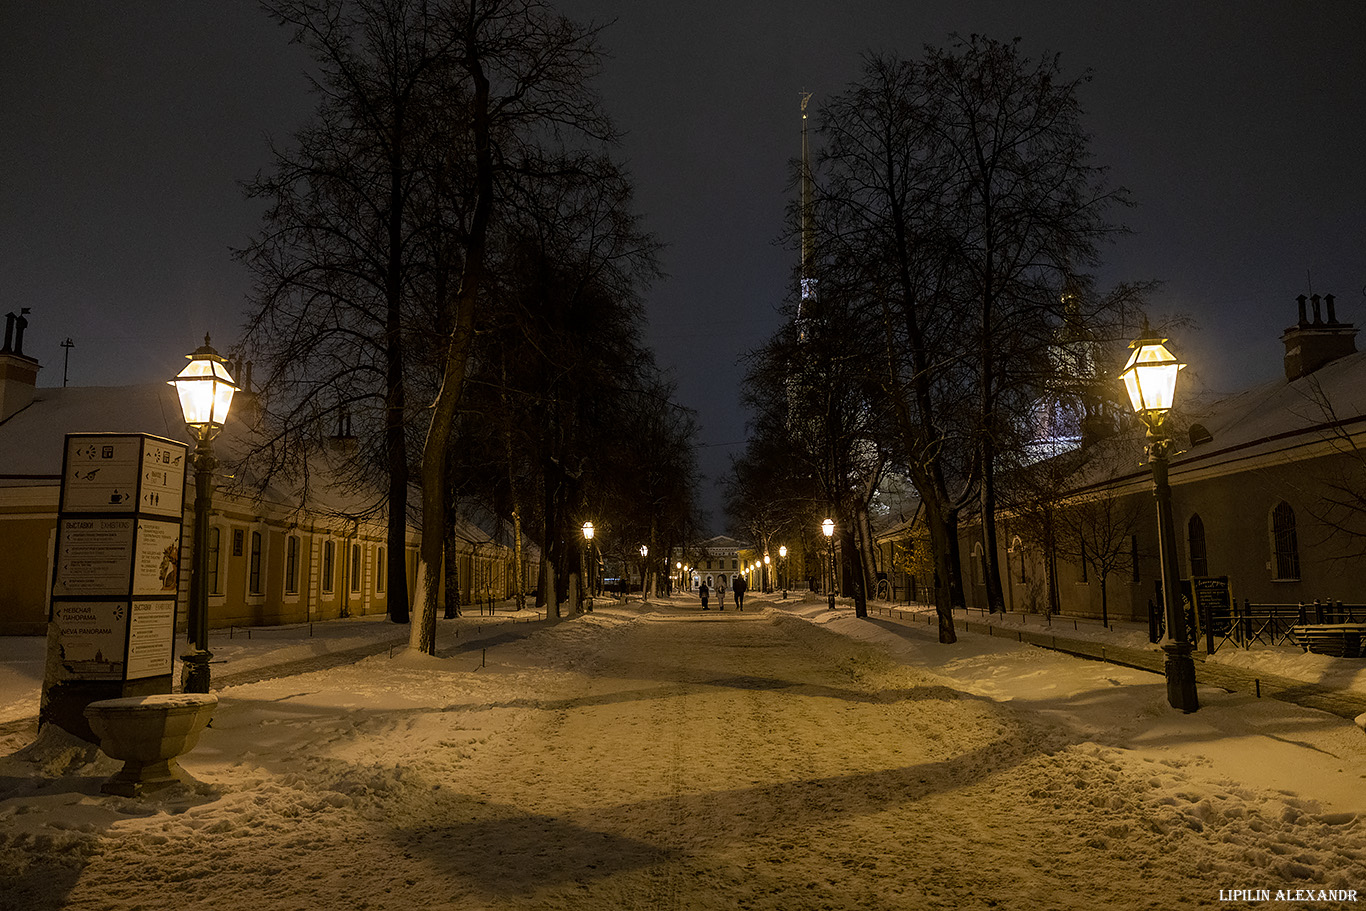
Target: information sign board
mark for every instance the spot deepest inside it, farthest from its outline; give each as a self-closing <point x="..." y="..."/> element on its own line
<point x="116" y="576"/>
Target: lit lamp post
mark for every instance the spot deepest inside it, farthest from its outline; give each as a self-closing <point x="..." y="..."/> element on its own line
<point x="828" y="528"/>
<point x="766" y="586"/>
<point x="644" y="574"/>
<point x="588" y="583"/>
<point x="1150" y="378"/>
<point x="782" y="571"/>
<point x="205" y="390"/>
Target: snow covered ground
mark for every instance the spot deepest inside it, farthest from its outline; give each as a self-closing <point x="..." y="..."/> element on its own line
<point x="656" y="757"/>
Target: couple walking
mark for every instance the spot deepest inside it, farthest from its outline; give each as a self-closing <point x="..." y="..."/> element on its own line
<point x="738" y="586"/>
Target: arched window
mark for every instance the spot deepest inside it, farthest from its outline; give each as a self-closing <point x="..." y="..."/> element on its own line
<point x="1017" y="548"/>
<point x="1195" y="536"/>
<point x="1284" y="542"/>
<point x="979" y="566"/>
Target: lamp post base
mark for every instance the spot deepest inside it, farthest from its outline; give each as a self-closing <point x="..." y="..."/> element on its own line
<point x="1180" y="671"/>
<point x="195" y="671"/>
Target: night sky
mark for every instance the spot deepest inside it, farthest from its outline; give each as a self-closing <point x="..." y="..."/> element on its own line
<point x="1238" y="128"/>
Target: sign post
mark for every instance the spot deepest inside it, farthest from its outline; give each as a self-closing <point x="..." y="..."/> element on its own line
<point x="1214" y="604"/>
<point x="116" y="574"/>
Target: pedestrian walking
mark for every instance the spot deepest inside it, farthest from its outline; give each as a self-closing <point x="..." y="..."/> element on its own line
<point x="721" y="593"/>
<point x="739" y="588"/>
<point x="702" y="591"/>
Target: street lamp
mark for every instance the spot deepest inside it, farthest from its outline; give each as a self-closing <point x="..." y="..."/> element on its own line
<point x="587" y="561"/>
<point x="767" y="586"/>
<point x="205" y="389"/>
<point x="644" y="574"/>
<point x="1150" y="378"/>
<point x="782" y="554"/>
<point x="828" y="528"/>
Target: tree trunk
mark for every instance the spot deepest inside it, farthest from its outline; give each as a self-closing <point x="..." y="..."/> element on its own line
<point x="948" y="588"/>
<point x="552" y="597"/>
<point x="458" y="344"/>
<point x="451" y="562"/>
<point x="991" y="566"/>
<point x="864" y="527"/>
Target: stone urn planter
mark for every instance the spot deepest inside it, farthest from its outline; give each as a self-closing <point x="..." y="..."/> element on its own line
<point x="148" y="733"/>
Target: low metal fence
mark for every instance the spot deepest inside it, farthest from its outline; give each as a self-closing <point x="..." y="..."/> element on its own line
<point x="1250" y="624"/>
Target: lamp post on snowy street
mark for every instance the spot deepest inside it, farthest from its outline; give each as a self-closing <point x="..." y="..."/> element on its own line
<point x="1150" y="378"/>
<point x="205" y="388"/>
<point x="828" y="529"/>
<point x="587" y="564"/>
<point x="782" y="570"/>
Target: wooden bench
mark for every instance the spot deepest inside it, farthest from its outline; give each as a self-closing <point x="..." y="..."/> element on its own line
<point x="1341" y="640"/>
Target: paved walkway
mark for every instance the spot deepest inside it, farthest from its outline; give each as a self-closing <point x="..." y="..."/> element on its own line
<point x="676" y="761"/>
<point x="1310" y="695"/>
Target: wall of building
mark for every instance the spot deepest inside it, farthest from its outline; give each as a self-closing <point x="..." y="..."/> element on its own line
<point x="1235" y="507"/>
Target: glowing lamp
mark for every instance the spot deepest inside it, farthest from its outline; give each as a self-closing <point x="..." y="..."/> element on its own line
<point x="1150" y="376"/>
<point x="205" y="388"/>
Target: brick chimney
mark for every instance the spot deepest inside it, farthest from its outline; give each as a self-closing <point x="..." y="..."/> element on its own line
<point x="1310" y="345"/>
<point x="18" y="371"/>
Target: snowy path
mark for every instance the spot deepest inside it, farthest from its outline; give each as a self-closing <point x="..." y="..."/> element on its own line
<point x="665" y="760"/>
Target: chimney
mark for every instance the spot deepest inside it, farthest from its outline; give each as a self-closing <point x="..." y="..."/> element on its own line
<point x="1308" y="346"/>
<point x="18" y="371"/>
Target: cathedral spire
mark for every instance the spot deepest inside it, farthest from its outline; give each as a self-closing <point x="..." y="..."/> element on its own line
<point x="808" y="280"/>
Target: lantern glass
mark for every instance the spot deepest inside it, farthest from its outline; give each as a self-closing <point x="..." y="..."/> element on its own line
<point x="588" y="531"/>
<point x="205" y="389"/>
<point x="1150" y="376"/>
<point x="828" y="528"/>
<point x="782" y="551"/>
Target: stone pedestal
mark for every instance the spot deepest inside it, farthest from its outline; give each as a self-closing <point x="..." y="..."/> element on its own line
<point x="148" y="733"/>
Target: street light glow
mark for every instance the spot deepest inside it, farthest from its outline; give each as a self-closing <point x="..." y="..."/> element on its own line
<point x="205" y="388"/>
<point x="1150" y="376"/>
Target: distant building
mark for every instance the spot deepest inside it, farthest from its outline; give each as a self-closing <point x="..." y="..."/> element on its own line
<point x="715" y="561"/>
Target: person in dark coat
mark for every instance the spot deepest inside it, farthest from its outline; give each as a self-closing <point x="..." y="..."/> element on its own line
<point x="702" y="590"/>
<point x="739" y="587"/>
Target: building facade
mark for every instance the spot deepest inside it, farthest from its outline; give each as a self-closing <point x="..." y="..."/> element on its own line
<point x="276" y="555"/>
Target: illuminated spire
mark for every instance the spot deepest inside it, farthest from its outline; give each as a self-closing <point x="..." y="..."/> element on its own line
<point x="808" y="226"/>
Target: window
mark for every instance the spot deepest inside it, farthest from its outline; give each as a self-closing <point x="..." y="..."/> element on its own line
<point x="1195" y="534"/>
<point x="355" y="567"/>
<point x="1285" y="542"/>
<point x="215" y="537"/>
<point x="237" y="542"/>
<point x="1017" y="548"/>
<point x="734" y="564"/>
<point x="291" y="565"/>
<point x="328" y="557"/>
<point x="254" y="568"/>
<point x="379" y="569"/>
